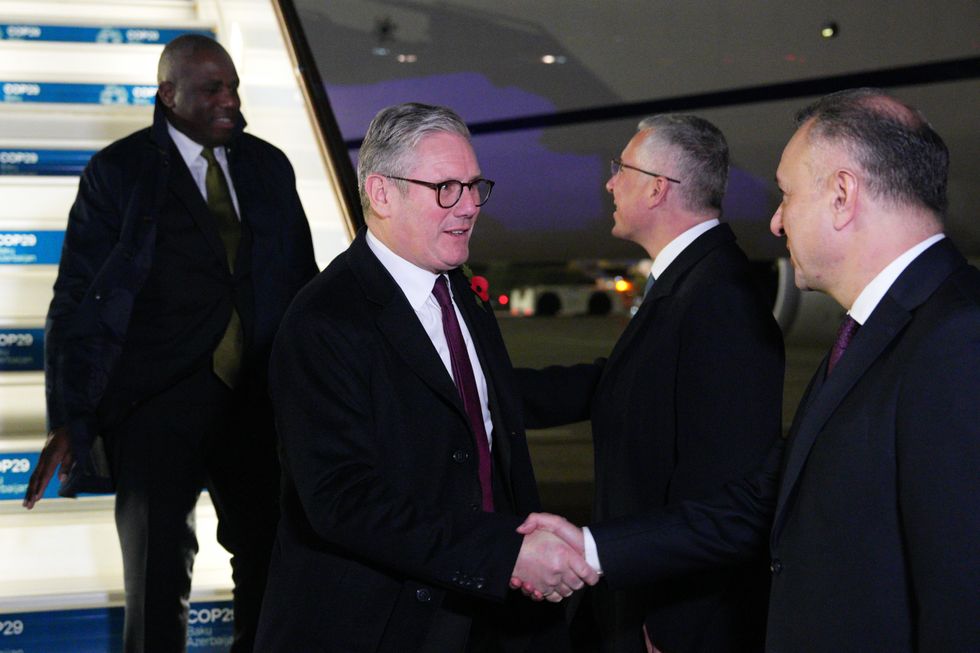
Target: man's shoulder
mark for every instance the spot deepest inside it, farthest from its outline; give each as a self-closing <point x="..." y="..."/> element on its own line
<point x="724" y="267"/>
<point x="135" y="144"/>
<point x="335" y="291"/>
<point x="251" y="145"/>
<point x="956" y="300"/>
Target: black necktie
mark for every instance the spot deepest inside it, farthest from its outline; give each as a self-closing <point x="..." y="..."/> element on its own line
<point x="647" y="288"/>
<point x="844" y="334"/>
<point x="466" y="385"/>
<point x="227" y="358"/>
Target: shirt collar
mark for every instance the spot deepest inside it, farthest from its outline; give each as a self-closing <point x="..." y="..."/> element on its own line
<point x="678" y="245"/>
<point x="190" y="149"/>
<point x="415" y="282"/>
<point x="869" y="298"/>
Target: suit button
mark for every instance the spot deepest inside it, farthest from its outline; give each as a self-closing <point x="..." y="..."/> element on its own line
<point x="423" y="595"/>
<point x="475" y="507"/>
<point x="775" y="566"/>
<point x="460" y="456"/>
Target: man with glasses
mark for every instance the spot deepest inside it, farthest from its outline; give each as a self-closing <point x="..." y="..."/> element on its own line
<point x="690" y="397"/>
<point x="869" y="508"/>
<point x="406" y="469"/>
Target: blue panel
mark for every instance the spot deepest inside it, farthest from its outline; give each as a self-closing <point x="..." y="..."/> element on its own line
<point x="15" y="472"/>
<point x="99" y="630"/>
<point x="60" y="93"/>
<point x="23" y="161"/>
<point x="21" y="350"/>
<point x="31" y="247"/>
<point x="81" y="34"/>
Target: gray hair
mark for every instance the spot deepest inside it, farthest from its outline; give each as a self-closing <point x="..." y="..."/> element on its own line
<point x="390" y="142"/>
<point x="904" y="158"/>
<point x="702" y="161"/>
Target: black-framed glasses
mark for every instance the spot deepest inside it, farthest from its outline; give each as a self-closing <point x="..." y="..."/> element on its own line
<point x="448" y="192"/>
<point x="617" y="164"/>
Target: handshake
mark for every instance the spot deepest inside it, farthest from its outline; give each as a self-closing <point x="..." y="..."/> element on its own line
<point x="551" y="564"/>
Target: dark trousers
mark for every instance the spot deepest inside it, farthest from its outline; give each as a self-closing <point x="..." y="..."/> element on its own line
<point x="196" y="434"/>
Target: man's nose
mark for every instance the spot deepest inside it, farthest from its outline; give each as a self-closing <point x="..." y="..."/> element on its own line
<point x="466" y="206"/>
<point x="229" y="98"/>
<point x="776" y="223"/>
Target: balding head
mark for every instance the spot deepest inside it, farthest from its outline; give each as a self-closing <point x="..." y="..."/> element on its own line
<point x="183" y="49"/>
<point x="904" y="160"/>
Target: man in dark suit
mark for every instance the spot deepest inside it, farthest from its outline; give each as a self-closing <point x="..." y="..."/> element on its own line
<point x="405" y="464"/>
<point x="870" y="508"/>
<point x="691" y="394"/>
<point x="184" y="246"/>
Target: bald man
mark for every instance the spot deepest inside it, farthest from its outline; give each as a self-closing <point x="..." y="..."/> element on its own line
<point x="185" y="244"/>
<point x="870" y="509"/>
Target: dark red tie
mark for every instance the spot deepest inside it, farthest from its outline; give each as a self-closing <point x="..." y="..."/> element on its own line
<point x="844" y="334"/>
<point x="466" y="385"/>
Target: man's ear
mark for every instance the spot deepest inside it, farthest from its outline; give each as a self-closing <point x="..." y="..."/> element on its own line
<point x="377" y="193"/>
<point x="657" y="192"/>
<point x="844" y="197"/>
<point x="166" y="93"/>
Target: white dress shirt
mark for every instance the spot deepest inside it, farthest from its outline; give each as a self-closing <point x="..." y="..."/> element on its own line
<point x="674" y="248"/>
<point x="190" y="152"/>
<point x="861" y="310"/>
<point x="868" y="300"/>
<point x="417" y="285"/>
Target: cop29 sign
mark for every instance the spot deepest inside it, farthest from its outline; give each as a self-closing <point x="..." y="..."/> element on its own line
<point x="84" y="34"/>
<point x="65" y="93"/>
<point x="210" y="629"/>
<point x="29" y="161"/>
<point x="21" y="350"/>
<point x="31" y="247"/>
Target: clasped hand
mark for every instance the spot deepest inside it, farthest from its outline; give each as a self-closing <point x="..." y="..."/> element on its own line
<point x="551" y="564"/>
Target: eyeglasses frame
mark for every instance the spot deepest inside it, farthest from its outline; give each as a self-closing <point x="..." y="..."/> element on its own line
<point x="435" y="186"/>
<point x="619" y="162"/>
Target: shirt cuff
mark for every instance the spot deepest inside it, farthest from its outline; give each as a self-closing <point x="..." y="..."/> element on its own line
<point x="591" y="551"/>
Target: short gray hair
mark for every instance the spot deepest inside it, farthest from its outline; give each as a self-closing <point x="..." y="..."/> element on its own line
<point x="393" y="135"/>
<point x="702" y="165"/>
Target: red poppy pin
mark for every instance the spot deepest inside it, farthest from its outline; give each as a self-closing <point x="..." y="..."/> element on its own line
<point x="478" y="285"/>
<point x="481" y="287"/>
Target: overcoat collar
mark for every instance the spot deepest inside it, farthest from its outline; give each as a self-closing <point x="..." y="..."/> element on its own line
<point x="668" y="282"/>
<point x="183" y="186"/>
<point x="400" y="325"/>
<point x="916" y="284"/>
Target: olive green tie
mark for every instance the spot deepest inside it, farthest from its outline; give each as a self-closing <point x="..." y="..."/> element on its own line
<point x="227" y="358"/>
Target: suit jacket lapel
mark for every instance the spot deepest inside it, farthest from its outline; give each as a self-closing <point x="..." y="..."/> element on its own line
<point x="668" y="282"/>
<point x="886" y="322"/>
<point x="871" y="339"/>
<point x="187" y="192"/>
<point x="399" y="324"/>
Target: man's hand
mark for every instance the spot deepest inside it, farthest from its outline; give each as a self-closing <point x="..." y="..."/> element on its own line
<point x="57" y="451"/>
<point x="556" y="524"/>
<point x="549" y="567"/>
<point x="571" y="535"/>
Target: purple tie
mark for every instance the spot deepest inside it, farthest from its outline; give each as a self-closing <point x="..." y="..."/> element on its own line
<point x="844" y="334"/>
<point x="466" y="384"/>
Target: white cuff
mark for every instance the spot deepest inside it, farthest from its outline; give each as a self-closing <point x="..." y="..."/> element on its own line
<point x="591" y="552"/>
